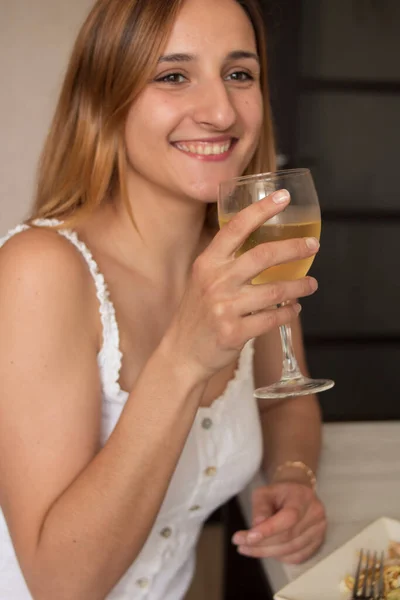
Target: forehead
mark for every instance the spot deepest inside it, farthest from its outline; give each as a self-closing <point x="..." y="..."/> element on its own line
<point x="202" y="25"/>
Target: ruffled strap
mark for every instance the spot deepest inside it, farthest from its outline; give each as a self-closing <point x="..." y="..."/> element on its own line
<point x="110" y="356"/>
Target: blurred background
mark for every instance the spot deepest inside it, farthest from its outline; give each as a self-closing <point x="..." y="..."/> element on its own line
<point x="335" y="81"/>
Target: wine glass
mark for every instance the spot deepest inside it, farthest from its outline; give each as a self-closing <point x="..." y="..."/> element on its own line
<point x="301" y="218"/>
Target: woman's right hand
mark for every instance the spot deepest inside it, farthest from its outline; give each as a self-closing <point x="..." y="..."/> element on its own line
<point x="221" y="310"/>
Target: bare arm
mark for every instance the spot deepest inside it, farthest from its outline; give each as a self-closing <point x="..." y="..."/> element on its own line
<point x="291" y="428"/>
<point x="288" y="519"/>
<point x="78" y="515"/>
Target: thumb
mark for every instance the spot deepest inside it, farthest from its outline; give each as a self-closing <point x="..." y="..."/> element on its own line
<point x="263" y="505"/>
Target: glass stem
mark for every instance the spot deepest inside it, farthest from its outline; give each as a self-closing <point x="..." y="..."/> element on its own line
<point x="290" y="368"/>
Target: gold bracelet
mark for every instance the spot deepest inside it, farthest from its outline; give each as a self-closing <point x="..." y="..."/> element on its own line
<point x="298" y="464"/>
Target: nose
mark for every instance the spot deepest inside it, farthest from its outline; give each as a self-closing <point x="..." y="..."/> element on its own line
<point x="213" y="106"/>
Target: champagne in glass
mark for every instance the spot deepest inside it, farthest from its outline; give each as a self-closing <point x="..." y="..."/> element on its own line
<point x="302" y="218"/>
<point x="272" y="233"/>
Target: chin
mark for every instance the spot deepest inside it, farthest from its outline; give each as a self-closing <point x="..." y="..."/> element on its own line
<point x="207" y="191"/>
<point x="204" y="195"/>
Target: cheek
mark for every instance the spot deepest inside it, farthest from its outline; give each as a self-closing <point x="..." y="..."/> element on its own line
<point x="150" y="122"/>
<point x="255" y="114"/>
<point x="251" y="111"/>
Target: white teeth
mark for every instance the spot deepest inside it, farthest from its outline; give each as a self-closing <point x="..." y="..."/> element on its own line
<point x="205" y="149"/>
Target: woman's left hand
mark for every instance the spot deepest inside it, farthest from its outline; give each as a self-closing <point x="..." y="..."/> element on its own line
<point x="289" y="524"/>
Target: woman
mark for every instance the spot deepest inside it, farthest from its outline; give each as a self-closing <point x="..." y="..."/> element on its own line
<point x="125" y="423"/>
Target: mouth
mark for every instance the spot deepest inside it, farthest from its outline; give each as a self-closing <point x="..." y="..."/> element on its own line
<point x="208" y="150"/>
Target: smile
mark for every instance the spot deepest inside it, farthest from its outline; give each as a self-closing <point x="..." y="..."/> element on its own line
<point x="207" y="150"/>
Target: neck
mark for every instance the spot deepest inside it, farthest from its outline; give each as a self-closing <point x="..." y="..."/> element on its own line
<point x="168" y="234"/>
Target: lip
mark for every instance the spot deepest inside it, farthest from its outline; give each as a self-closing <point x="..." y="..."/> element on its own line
<point x="208" y="157"/>
<point x="213" y="140"/>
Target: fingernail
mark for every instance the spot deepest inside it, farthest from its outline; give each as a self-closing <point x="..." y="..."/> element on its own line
<point x="312" y="243"/>
<point x="258" y="520"/>
<point x="313" y="284"/>
<point x="253" y="537"/>
<point x="280" y="197"/>
<point x="238" y="539"/>
<point x="298" y="308"/>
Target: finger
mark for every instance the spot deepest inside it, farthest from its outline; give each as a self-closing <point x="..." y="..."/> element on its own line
<point x="299" y="557"/>
<point x="237" y="230"/>
<point x="281" y="521"/>
<point x="262" y="257"/>
<point x="315" y="516"/>
<point x="259" y="323"/>
<point x="263" y="504"/>
<point x="259" y="297"/>
<point x="235" y="331"/>
<point x="285" y="537"/>
<point x="292" y="544"/>
<point x="314" y="536"/>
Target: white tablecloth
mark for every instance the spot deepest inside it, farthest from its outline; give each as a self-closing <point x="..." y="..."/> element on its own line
<point x="358" y="481"/>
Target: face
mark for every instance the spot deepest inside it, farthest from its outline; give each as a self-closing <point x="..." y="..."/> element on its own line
<point x="198" y="121"/>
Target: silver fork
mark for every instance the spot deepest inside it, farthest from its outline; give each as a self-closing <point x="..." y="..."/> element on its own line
<point x="373" y="587"/>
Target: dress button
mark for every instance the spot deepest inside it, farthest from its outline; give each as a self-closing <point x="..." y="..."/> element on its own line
<point x="166" y="532"/>
<point x="194" y="508"/>
<point x="207" y="423"/>
<point x="211" y="471"/>
<point x="143" y="582"/>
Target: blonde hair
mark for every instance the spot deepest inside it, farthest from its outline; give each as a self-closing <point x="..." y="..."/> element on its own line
<point x="83" y="162"/>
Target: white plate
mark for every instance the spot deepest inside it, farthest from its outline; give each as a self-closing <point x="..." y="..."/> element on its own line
<point x="322" y="582"/>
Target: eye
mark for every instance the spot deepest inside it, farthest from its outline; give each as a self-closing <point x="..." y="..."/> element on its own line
<point x="174" y="78"/>
<point x="240" y="76"/>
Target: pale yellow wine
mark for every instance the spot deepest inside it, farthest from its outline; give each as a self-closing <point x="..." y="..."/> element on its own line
<point x="274" y="233"/>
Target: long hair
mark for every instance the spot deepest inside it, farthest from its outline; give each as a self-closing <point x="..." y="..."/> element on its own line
<point x="83" y="162"/>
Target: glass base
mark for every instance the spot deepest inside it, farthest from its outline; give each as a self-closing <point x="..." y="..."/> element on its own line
<point x="299" y="386"/>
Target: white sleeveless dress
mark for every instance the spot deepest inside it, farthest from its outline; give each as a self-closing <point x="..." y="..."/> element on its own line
<point x="221" y="455"/>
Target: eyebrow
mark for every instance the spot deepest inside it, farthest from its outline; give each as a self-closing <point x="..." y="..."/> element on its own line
<point x="235" y="55"/>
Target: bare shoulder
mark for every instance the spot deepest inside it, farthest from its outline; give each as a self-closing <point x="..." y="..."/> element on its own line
<point x="39" y="263"/>
<point x="43" y="252"/>
<point x="50" y="394"/>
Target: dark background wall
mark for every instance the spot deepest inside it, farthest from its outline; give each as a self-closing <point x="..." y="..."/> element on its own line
<point x="335" y="81"/>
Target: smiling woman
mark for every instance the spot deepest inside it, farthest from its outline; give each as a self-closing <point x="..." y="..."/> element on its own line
<point x="84" y="161"/>
<point x="125" y="423"/>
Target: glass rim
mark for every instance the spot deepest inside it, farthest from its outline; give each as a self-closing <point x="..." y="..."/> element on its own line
<point x="269" y="176"/>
